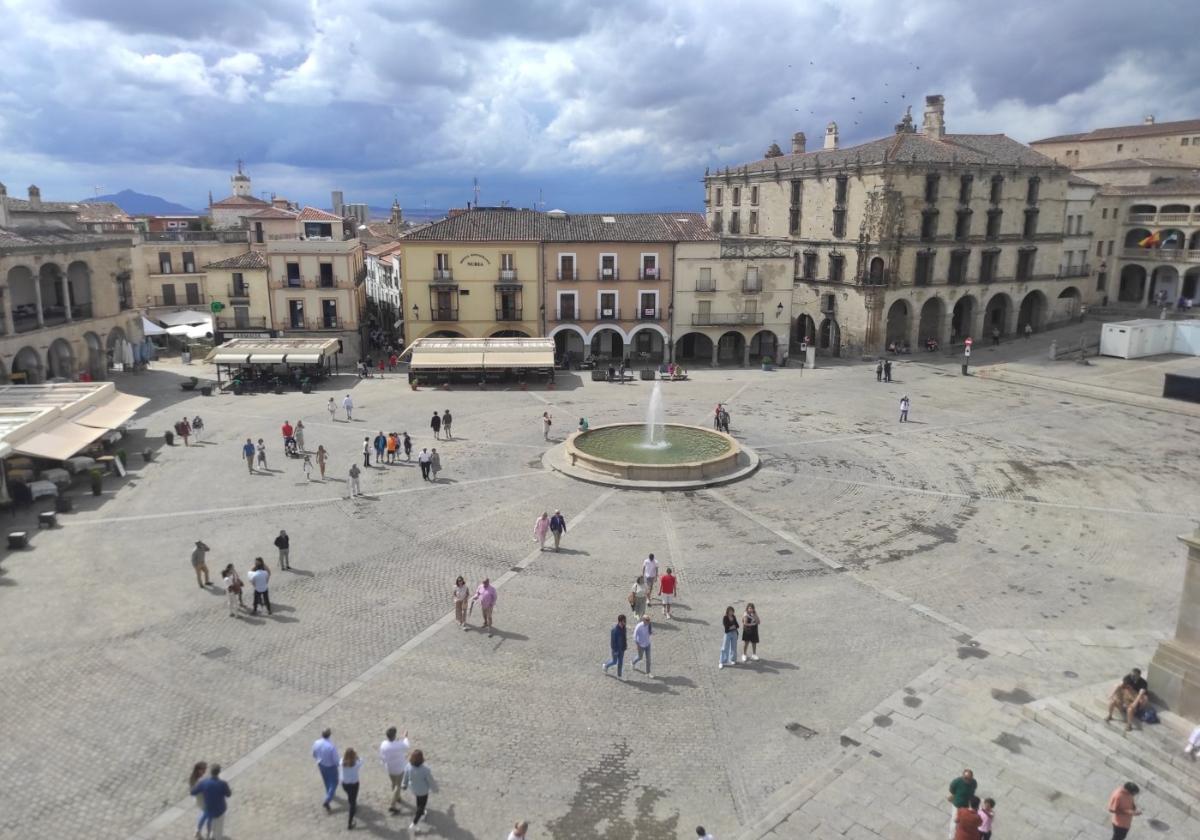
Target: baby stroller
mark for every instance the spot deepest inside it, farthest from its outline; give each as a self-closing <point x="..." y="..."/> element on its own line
<point x="290" y="448"/>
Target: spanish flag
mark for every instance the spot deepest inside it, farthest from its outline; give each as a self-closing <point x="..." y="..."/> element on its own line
<point x="1150" y="241"/>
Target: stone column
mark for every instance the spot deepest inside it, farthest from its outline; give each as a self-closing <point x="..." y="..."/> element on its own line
<point x="716" y="343"/>
<point x="745" y="352"/>
<point x="37" y="297"/>
<point x="66" y="293"/>
<point x="1174" y="673"/>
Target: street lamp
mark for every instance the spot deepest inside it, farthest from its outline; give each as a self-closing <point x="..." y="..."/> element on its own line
<point x="416" y="312"/>
<point x="779" y="309"/>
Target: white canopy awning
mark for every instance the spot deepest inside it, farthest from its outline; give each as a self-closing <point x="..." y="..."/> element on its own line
<point x="303" y="358"/>
<point x="60" y="442"/>
<point x="151" y="328"/>
<point x="266" y="358"/>
<point x="187" y="316"/>
<point x="234" y="358"/>
<point x="113" y="414"/>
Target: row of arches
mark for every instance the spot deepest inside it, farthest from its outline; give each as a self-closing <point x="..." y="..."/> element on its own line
<point x="1034" y="310"/>
<point x="1138" y="285"/>
<point x="61" y="360"/>
<point x="1140" y="209"/>
<point x="48" y="295"/>
<point x="1169" y="238"/>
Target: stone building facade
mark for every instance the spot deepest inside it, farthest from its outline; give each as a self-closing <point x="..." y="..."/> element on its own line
<point x="919" y="235"/>
<point x="65" y="294"/>
<point x="1177" y="142"/>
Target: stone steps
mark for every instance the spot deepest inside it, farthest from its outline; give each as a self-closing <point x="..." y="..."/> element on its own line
<point x="1130" y="756"/>
<point x="1163" y="742"/>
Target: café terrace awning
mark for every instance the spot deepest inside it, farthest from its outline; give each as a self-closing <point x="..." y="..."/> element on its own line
<point x="274" y="351"/>
<point x="56" y="421"/>
<point x="60" y="442"/>
<point x="482" y="353"/>
<point x="111" y="415"/>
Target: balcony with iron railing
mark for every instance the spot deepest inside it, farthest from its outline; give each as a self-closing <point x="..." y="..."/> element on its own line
<point x="751" y="285"/>
<point x="509" y="314"/>
<point x="649" y="274"/>
<point x="613" y="314"/>
<point x="444" y="315"/>
<point x="244" y="323"/>
<point x="443" y="275"/>
<point x="178" y="300"/>
<point x="1074" y="270"/>
<point x="239" y="291"/>
<point x="568" y="315"/>
<point x="226" y="236"/>
<point x="649" y="314"/>
<point x="720" y="319"/>
<point x="706" y="286"/>
<point x="1163" y="218"/>
<point x="1161" y="255"/>
<point x="604" y="274"/>
<point x="569" y="274"/>
<point x="507" y="275"/>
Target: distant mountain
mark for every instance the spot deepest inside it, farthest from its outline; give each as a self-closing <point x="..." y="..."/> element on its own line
<point x="140" y="204"/>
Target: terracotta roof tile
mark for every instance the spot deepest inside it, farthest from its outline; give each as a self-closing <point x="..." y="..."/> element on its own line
<point x="249" y="259"/>
<point x="274" y="213"/>
<point x="241" y="201"/>
<point x="312" y="214"/>
<point x="505" y="225"/>
<point x="1122" y="132"/>
<point x="1167" y="186"/>
<point x="1135" y="163"/>
<point x="102" y="211"/>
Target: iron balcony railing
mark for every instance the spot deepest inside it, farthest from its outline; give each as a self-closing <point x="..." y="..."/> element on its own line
<point x="444" y="315"/>
<point x="246" y="323"/>
<point x="239" y="291"/>
<point x="443" y="275"/>
<point x="508" y="314"/>
<point x="507" y="275"/>
<point x="716" y="319"/>
<point x="609" y="273"/>
<point x="613" y="314"/>
<point x="649" y="314"/>
<point x="569" y="274"/>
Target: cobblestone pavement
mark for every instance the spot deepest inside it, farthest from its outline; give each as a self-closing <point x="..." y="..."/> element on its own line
<point x="871" y="549"/>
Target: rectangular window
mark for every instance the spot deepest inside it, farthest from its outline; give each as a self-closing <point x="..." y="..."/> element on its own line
<point x="189" y="262"/>
<point x="795" y="197"/>
<point x="928" y="225"/>
<point x="326" y="275"/>
<point x="703" y="311"/>
<point x="1110" y="247"/>
<point x="735" y="222"/>
<point x="704" y="283"/>
<point x="608" y="266"/>
<point x="1099" y="249"/>
<point x="717" y="224"/>
<point x="240" y="289"/>
<point x="1031" y="190"/>
<point x="1101" y="281"/>
<point x="566" y="267"/>
<point x="810" y="265"/>
<point x="751" y="284"/>
<point x="958" y="266"/>
<point x="1104" y="213"/>
<point x="507" y="262"/>
<point x="794" y="221"/>
<point x="1031" y="222"/>
<point x="987" y="266"/>
<point x="191" y="292"/>
<point x="443" y="261"/>
<point x="649" y="266"/>
<point x="567" y="308"/>
<point x="329" y="318"/>
<point x="839" y="223"/>
<point x="837" y="268"/>
<point x="843" y="190"/>
<point x="993" y="223"/>
<point x="754" y="221"/>
<point x="1120" y="147"/>
<point x="931" y="188"/>
<point x="720" y="196"/>
<point x="962" y="225"/>
<point x="1183" y="142"/>
<point x="737" y="196"/>
<point x="964" y="188"/>
<point x="1025" y="263"/>
<point x="296" y="314"/>
<point x="924" y="272"/>
<point x="754" y="196"/>
<point x="168" y="294"/>
<point x="997" y="189"/>
<point x="241" y="317"/>
<point x="164" y="262"/>
<point x="293" y="274"/>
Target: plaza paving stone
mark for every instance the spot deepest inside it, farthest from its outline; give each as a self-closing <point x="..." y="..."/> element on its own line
<point x="872" y="550"/>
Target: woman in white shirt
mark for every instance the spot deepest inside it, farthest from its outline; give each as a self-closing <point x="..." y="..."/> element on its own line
<point x="351" y="764"/>
<point x="520" y="831"/>
<point x="461" y="593"/>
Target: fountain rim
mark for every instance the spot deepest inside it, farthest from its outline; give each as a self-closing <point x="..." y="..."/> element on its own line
<point x="735" y="448"/>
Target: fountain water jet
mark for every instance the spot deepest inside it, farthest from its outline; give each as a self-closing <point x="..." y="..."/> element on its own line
<point x="655" y="419"/>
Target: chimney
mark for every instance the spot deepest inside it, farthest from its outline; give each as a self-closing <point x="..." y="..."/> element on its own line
<point x="935" y="113"/>
<point x="35" y="198"/>
<point x="3" y="206"/>
<point x="798" y="143"/>
<point x="831" y="136"/>
<point x="1148" y="119"/>
<point x="279" y="203"/>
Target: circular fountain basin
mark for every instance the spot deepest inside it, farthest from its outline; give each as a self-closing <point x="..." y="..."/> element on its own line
<point x="618" y="454"/>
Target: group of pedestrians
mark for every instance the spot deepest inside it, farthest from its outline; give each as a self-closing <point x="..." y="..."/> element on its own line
<point x="464" y="603"/>
<point x="259" y="576"/>
<point x="185" y="429"/>
<point x="441" y="424"/>
<point x="387" y="448"/>
<point x="546" y="524"/>
<point x="970" y="817"/>
<point x="883" y="370"/>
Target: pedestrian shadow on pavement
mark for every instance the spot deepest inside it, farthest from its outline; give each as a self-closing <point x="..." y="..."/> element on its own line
<point x="266" y="473"/>
<point x="769" y="666"/>
<point x="301" y="572"/>
<point x="215" y="590"/>
<point x="444" y="481"/>
<point x="369" y="498"/>
<point x="446" y="825"/>
<point x="506" y="634"/>
<point x="657" y="686"/>
<point x="685" y="620"/>
<point x="576" y="551"/>
<point x="681" y="682"/>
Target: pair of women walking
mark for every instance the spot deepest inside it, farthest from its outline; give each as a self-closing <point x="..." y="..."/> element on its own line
<point x="749" y="628"/>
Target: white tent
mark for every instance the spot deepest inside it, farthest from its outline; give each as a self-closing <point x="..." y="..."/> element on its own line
<point x="151" y="328"/>
<point x="186" y="316"/>
<point x="204" y="330"/>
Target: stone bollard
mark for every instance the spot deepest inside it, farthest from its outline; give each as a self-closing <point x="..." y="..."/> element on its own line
<point x="1054" y="350"/>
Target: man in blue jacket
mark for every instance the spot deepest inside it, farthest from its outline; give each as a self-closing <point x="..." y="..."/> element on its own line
<point x="618" y="641"/>
<point x="213" y="791"/>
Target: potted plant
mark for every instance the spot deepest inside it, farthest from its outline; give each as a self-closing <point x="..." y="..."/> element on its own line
<point x="206" y="390"/>
<point x="169" y="437"/>
<point x="767" y="362"/>
<point x="189" y="384"/>
<point x="147" y="455"/>
<point x="97" y="481"/>
<point x="124" y="456"/>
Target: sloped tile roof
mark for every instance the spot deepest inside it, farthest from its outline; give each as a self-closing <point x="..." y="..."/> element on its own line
<point x="385" y="249"/>
<point x="312" y="214"/>
<point x="249" y="259"/>
<point x="505" y="225"/>
<point x="102" y="211"/>
<point x="241" y="201"/>
<point x="17" y="237"/>
<point x="22" y="205"/>
<point x="274" y="213"/>
<point x="1122" y="132"/>
<point x="1135" y="163"/>
<point x="1167" y="186"/>
<point x="907" y="147"/>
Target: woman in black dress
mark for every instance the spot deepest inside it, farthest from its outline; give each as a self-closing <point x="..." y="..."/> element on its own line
<point x="750" y="622"/>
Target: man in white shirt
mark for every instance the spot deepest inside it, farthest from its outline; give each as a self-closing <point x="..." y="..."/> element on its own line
<point x="702" y="834"/>
<point x="394" y="755"/>
<point x="326" y="755"/>
<point x="348" y="404"/>
<point x="424" y="459"/>
<point x="641" y="638"/>
<point x="650" y="573"/>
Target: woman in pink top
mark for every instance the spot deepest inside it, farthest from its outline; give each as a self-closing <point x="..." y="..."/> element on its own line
<point x="540" y="528"/>
<point x="486" y="596"/>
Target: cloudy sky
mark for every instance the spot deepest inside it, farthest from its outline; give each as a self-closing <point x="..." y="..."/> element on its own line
<point x="610" y="104"/>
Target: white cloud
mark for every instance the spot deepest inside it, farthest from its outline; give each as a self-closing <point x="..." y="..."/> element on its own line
<point x="240" y="64"/>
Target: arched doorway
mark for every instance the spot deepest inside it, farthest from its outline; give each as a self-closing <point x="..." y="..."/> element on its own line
<point x="22" y="298"/>
<point x="933" y="314"/>
<point x="27" y="367"/>
<point x="763" y="344"/>
<point x="995" y="316"/>
<point x="648" y="344"/>
<point x="962" y="319"/>
<point x="829" y="337"/>
<point x="115" y="346"/>
<point x="1032" y="312"/>
<point x="899" y="322"/>
<point x="1164" y="285"/>
<point x="731" y="349"/>
<point x="444" y="334"/>
<point x="569" y="344"/>
<point x="1191" y="283"/>
<point x="804" y="330"/>
<point x="1134" y="237"/>
<point x="876" y="274"/>
<point x="608" y="343"/>
<point x="1171" y="239"/>
<point x="694" y="347"/>
<point x="509" y="334"/>
<point x="1133" y="284"/>
<point x="95" y="356"/>
<point x="61" y="358"/>
<point x="1194" y="242"/>
<point x="1066" y="305"/>
<point x="79" y="284"/>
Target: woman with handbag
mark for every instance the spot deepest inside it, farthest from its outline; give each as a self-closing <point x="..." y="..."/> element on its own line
<point x="233" y="589"/>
